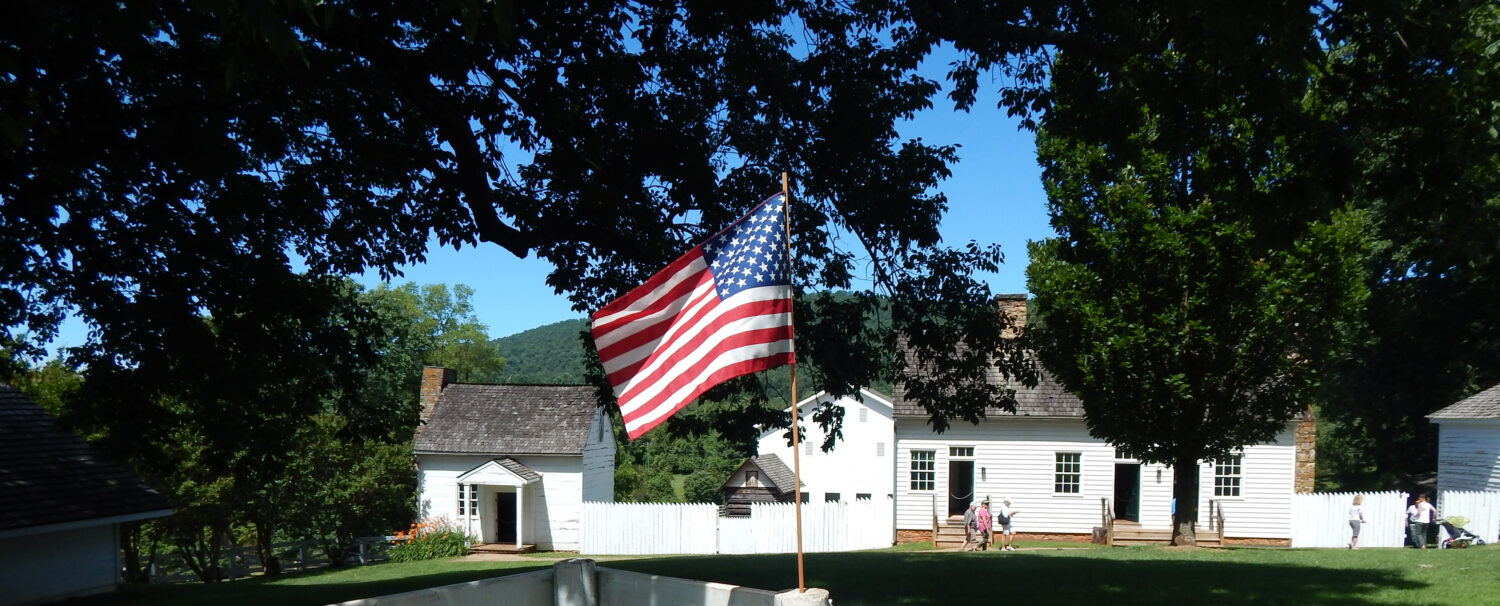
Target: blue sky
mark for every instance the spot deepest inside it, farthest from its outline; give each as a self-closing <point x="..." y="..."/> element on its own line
<point x="994" y="195"/>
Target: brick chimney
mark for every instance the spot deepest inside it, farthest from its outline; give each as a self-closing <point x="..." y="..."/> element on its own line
<point x="434" y="379"/>
<point x="1014" y="308"/>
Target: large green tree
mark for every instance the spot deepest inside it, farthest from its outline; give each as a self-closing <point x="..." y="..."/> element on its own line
<point x="165" y="161"/>
<point x="1201" y="280"/>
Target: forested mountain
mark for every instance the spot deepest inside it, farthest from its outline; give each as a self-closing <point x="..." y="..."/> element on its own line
<point x="553" y="353"/>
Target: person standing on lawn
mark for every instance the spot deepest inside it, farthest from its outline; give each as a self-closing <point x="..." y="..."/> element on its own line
<point x="1420" y="515"/>
<point x="1356" y="518"/>
<point x="971" y="524"/>
<point x="985" y="530"/>
<point x="1007" y="534"/>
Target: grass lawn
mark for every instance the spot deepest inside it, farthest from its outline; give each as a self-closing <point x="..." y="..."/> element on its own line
<point x="1035" y="575"/>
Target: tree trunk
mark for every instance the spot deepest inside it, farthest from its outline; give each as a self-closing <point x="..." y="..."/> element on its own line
<point x="1185" y="501"/>
<point x="264" y="538"/>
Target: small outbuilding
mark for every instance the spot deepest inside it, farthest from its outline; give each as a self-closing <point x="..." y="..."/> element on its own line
<point x="1469" y="442"/>
<point x="512" y="464"/>
<point x="760" y="479"/>
<point x="61" y="507"/>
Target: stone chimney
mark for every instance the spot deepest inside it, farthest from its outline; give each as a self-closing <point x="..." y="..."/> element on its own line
<point x="1012" y="307"/>
<point x="434" y="379"/>
<point x="1307" y="452"/>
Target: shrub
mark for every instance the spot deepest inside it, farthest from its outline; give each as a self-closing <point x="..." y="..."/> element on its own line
<point x="430" y="540"/>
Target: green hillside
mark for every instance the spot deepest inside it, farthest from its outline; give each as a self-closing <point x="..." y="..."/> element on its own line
<point x="546" y="354"/>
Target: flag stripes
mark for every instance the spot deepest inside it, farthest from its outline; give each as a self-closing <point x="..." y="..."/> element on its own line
<point x="720" y="311"/>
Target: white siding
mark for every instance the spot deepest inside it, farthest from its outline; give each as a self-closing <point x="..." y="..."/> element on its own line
<point x="52" y="566"/>
<point x="1468" y="454"/>
<point x="860" y="463"/>
<point x="1268" y="476"/>
<point x="550" y="515"/>
<point x="1014" y="458"/>
<point x="599" y="461"/>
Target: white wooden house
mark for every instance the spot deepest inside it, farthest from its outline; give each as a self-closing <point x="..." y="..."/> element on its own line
<point x="1469" y="442"/>
<point x="1043" y="459"/>
<point x="859" y="465"/>
<point x="512" y="464"/>
<point x="61" y="508"/>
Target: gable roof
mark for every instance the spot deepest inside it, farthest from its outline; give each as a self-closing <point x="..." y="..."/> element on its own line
<point x="509" y="420"/>
<point x="1482" y="405"/>
<point x="49" y="476"/>
<point x="777" y="473"/>
<point x="1048" y="399"/>
<point x="493" y="470"/>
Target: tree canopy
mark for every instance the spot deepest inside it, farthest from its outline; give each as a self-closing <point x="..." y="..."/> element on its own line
<point x="166" y="161"/>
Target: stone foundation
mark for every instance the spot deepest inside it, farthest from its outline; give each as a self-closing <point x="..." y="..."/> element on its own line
<point x="913" y="536"/>
<point x="1227" y="541"/>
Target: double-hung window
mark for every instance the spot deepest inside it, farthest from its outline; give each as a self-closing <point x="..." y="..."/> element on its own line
<point x="1068" y="473"/>
<point x="468" y="499"/>
<point x="1227" y="476"/>
<point x="924" y="470"/>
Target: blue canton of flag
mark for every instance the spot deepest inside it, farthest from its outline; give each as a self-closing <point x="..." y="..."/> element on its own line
<point x="751" y="253"/>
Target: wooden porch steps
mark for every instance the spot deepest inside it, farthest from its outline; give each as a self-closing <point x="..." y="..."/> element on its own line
<point x="950" y="533"/>
<point x="1129" y="533"/>
<point x="500" y="548"/>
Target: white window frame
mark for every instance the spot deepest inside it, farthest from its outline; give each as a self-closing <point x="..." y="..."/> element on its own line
<point x="1067" y="472"/>
<point x="922" y="468"/>
<point x="1229" y="476"/>
<point x="468" y="506"/>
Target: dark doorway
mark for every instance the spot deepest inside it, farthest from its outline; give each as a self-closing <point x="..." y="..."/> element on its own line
<point x="505" y="517"/>
<point x="1128" y="491"/>
<point x="960" y="486"/>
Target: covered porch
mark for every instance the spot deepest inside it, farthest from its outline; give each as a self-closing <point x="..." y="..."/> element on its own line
<point x="495" y="494"/>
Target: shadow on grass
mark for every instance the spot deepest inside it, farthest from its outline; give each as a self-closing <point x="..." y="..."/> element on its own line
<point x="916" y="578"/>
<point x="305" y="588"/>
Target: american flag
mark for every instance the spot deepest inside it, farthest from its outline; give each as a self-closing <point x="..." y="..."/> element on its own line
<point x="722" y="310"/>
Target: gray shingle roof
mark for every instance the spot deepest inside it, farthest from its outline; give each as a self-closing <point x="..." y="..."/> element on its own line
<point x="1048" y="399"/>
<point x="509" y="419"/>
<point x="1482" y="405"/>
<point x="776" y="471"/>
<point x="51" y="476"/>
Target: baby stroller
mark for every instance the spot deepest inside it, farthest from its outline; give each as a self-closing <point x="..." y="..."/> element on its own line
<point x="1458" y="538"/>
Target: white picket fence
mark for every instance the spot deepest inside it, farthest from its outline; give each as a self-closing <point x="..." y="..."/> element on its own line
<point x="1322" y="519"/>
<point x="669" y="528"/>
<point x="1481" y="508"/>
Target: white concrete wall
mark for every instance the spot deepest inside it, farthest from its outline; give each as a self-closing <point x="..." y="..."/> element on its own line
<point x="858" y="464"/>
<point x="599" y="461"/>
<point x="52" y="566"/>
<point x="1016" y="458"/>
<point x="550" y="517"/>
<point x="1468" y="454"/>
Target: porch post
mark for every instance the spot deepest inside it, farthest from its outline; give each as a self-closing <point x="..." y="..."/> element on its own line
<point x="520" y="515"/>
<point x="464" y="506"/>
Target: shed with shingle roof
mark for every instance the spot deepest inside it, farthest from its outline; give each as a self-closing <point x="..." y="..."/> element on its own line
<point x="760" y="479"/>
<point x="513" y="464"/>
<point x="61" y="505"/>
<point x="1469" y="442"/>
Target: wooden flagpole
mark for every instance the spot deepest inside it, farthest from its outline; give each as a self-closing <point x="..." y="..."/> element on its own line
<point x="786" y="199"/>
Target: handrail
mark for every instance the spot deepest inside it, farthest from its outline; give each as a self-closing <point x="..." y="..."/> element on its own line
<point x="1212" y="516"/>
<point x="1107" y="520"/>
<point x="934" y="521"/>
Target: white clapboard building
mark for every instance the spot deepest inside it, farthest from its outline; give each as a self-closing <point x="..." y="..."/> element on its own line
<point x="512" y="464"/>
<point x="858" y="466"/>
<point x="1469" y="442"/>
<point x="1060" y="478"/>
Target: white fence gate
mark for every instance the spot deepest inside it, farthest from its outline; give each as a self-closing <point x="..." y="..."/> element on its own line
<point x="1322" y="519"/>
<point x="1481" y="508"/>
<point x="670" y="528"/>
